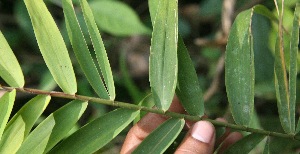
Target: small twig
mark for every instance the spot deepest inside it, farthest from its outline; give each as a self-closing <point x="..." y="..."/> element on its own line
<point x="152" y="110"/>
<point x="214" y="86"/>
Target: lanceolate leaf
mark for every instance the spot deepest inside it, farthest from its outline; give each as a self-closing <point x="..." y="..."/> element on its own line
<point x="52" y="46"/>
<point x="13" y="137"/>
<point x="163" y="54"/>
<point x="239" y="69"/>
<point x="54" y="128"/>
<point x="6" y="105"/>
<point x="99" y="48"/>
<point x="267" y="145"/>
<point x="81" y="50"/>
<point x="161" y="138"/>
<point x="10" y="69"/>
<point x="262" y="10"/>
<point x="293" y="61"/>
<point x="153" y="6"/>
<point x="246" y="144"/>
<point x="188" y="88"/>
<point x="30" y="112"/>
<point x="97" y="133"/>
<point x="123" y="22"/>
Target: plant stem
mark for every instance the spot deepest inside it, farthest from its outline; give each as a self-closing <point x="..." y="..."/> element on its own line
<point x="147" y="109"/>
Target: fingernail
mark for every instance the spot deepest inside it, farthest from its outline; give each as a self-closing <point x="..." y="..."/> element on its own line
<point x="203" y="131"/>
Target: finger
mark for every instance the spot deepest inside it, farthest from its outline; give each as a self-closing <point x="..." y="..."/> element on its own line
<point x="231" y="139"/>
<point x="200" y="139"/>
<point x="145" y="126"/>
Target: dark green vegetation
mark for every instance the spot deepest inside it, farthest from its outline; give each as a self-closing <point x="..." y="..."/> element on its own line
<point x="55" y="48"/>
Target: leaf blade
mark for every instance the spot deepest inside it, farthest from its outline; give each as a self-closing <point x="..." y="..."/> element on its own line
<point x="239" y="69"/>
<point x="188" y="88"/>
<point x="81" y="50"/>
<point x="10" y="69"/>
<point x="56" y="126"/>
<point x="161" y="138"/>
<point x="97" y="133"/>
<point x="99" y="49"/>
<point x="246" y="144"/>
<point x="163" y="54"/>
<point x="6" y="105"/>
<point x="52" y="46"/>
<point x="30" y="112"/>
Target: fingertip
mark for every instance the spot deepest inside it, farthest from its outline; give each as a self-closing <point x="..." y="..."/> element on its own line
<point x="200" y="139"/>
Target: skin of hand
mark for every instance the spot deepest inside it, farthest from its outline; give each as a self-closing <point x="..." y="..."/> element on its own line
<point x="200" y="139"/>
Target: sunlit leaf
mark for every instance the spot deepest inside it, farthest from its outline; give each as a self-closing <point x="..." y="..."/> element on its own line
<point x="239" y="69"/>
<point x="81" y="50"/>
<point x="10" y="69"/>
<point x="54" y="128"/>
<point x="13" y="137"/>
<point x="99" y="47"/>
<point x="124" y="21"/>
<point x="153" y="6"/>
<point x="6" y="105"/>
<point x="30" y="112"/>
<point x="188" y="88"/>
<point x="97" y="133"/>
<point x="246" y="144"/>
<point x="163" y="54"/>
<point x="52" y="46"/>
<point x="161" y="138"/>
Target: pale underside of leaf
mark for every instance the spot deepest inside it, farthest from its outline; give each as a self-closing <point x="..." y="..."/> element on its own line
<point x="10" y="69"/>
<point x="99" y="49"/>
<point x="163" y="54"/>
<point x="52" y="46"/>
<point x="239" y="69"/>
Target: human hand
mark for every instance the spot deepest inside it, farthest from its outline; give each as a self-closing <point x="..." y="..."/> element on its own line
<point x="199" y="139"/>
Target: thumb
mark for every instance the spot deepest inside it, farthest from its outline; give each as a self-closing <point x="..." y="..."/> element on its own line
<point x="200" y="139"/>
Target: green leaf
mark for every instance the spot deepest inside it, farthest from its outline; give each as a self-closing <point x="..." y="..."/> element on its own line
<point x="153" y="6"/>
<point x="161" y="138"/>
<point x="266" y="149"/>
<point x="13" y="137"/>
<point x="10" y="69"/>
<point x="239" y="69"/>
<point x="262" y="10"/>
<point x="246" y="144"/>
<point x="293" y="62"/>
<point x="54" y="128"/>
<point x="163" y="54"/>
<point x="97" y="133"/>
<point x="6" y="105"/>
<point x="188" y="88"/>
<point x="81" y="50"/>
<point x="122" y="22"/>
<point x="99" y="47"/>
<point x="52" y="46"/>
<point x="30" y="112"/>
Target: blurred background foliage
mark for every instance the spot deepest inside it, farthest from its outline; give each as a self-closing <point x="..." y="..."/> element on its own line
<point x="125" y="26"/>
